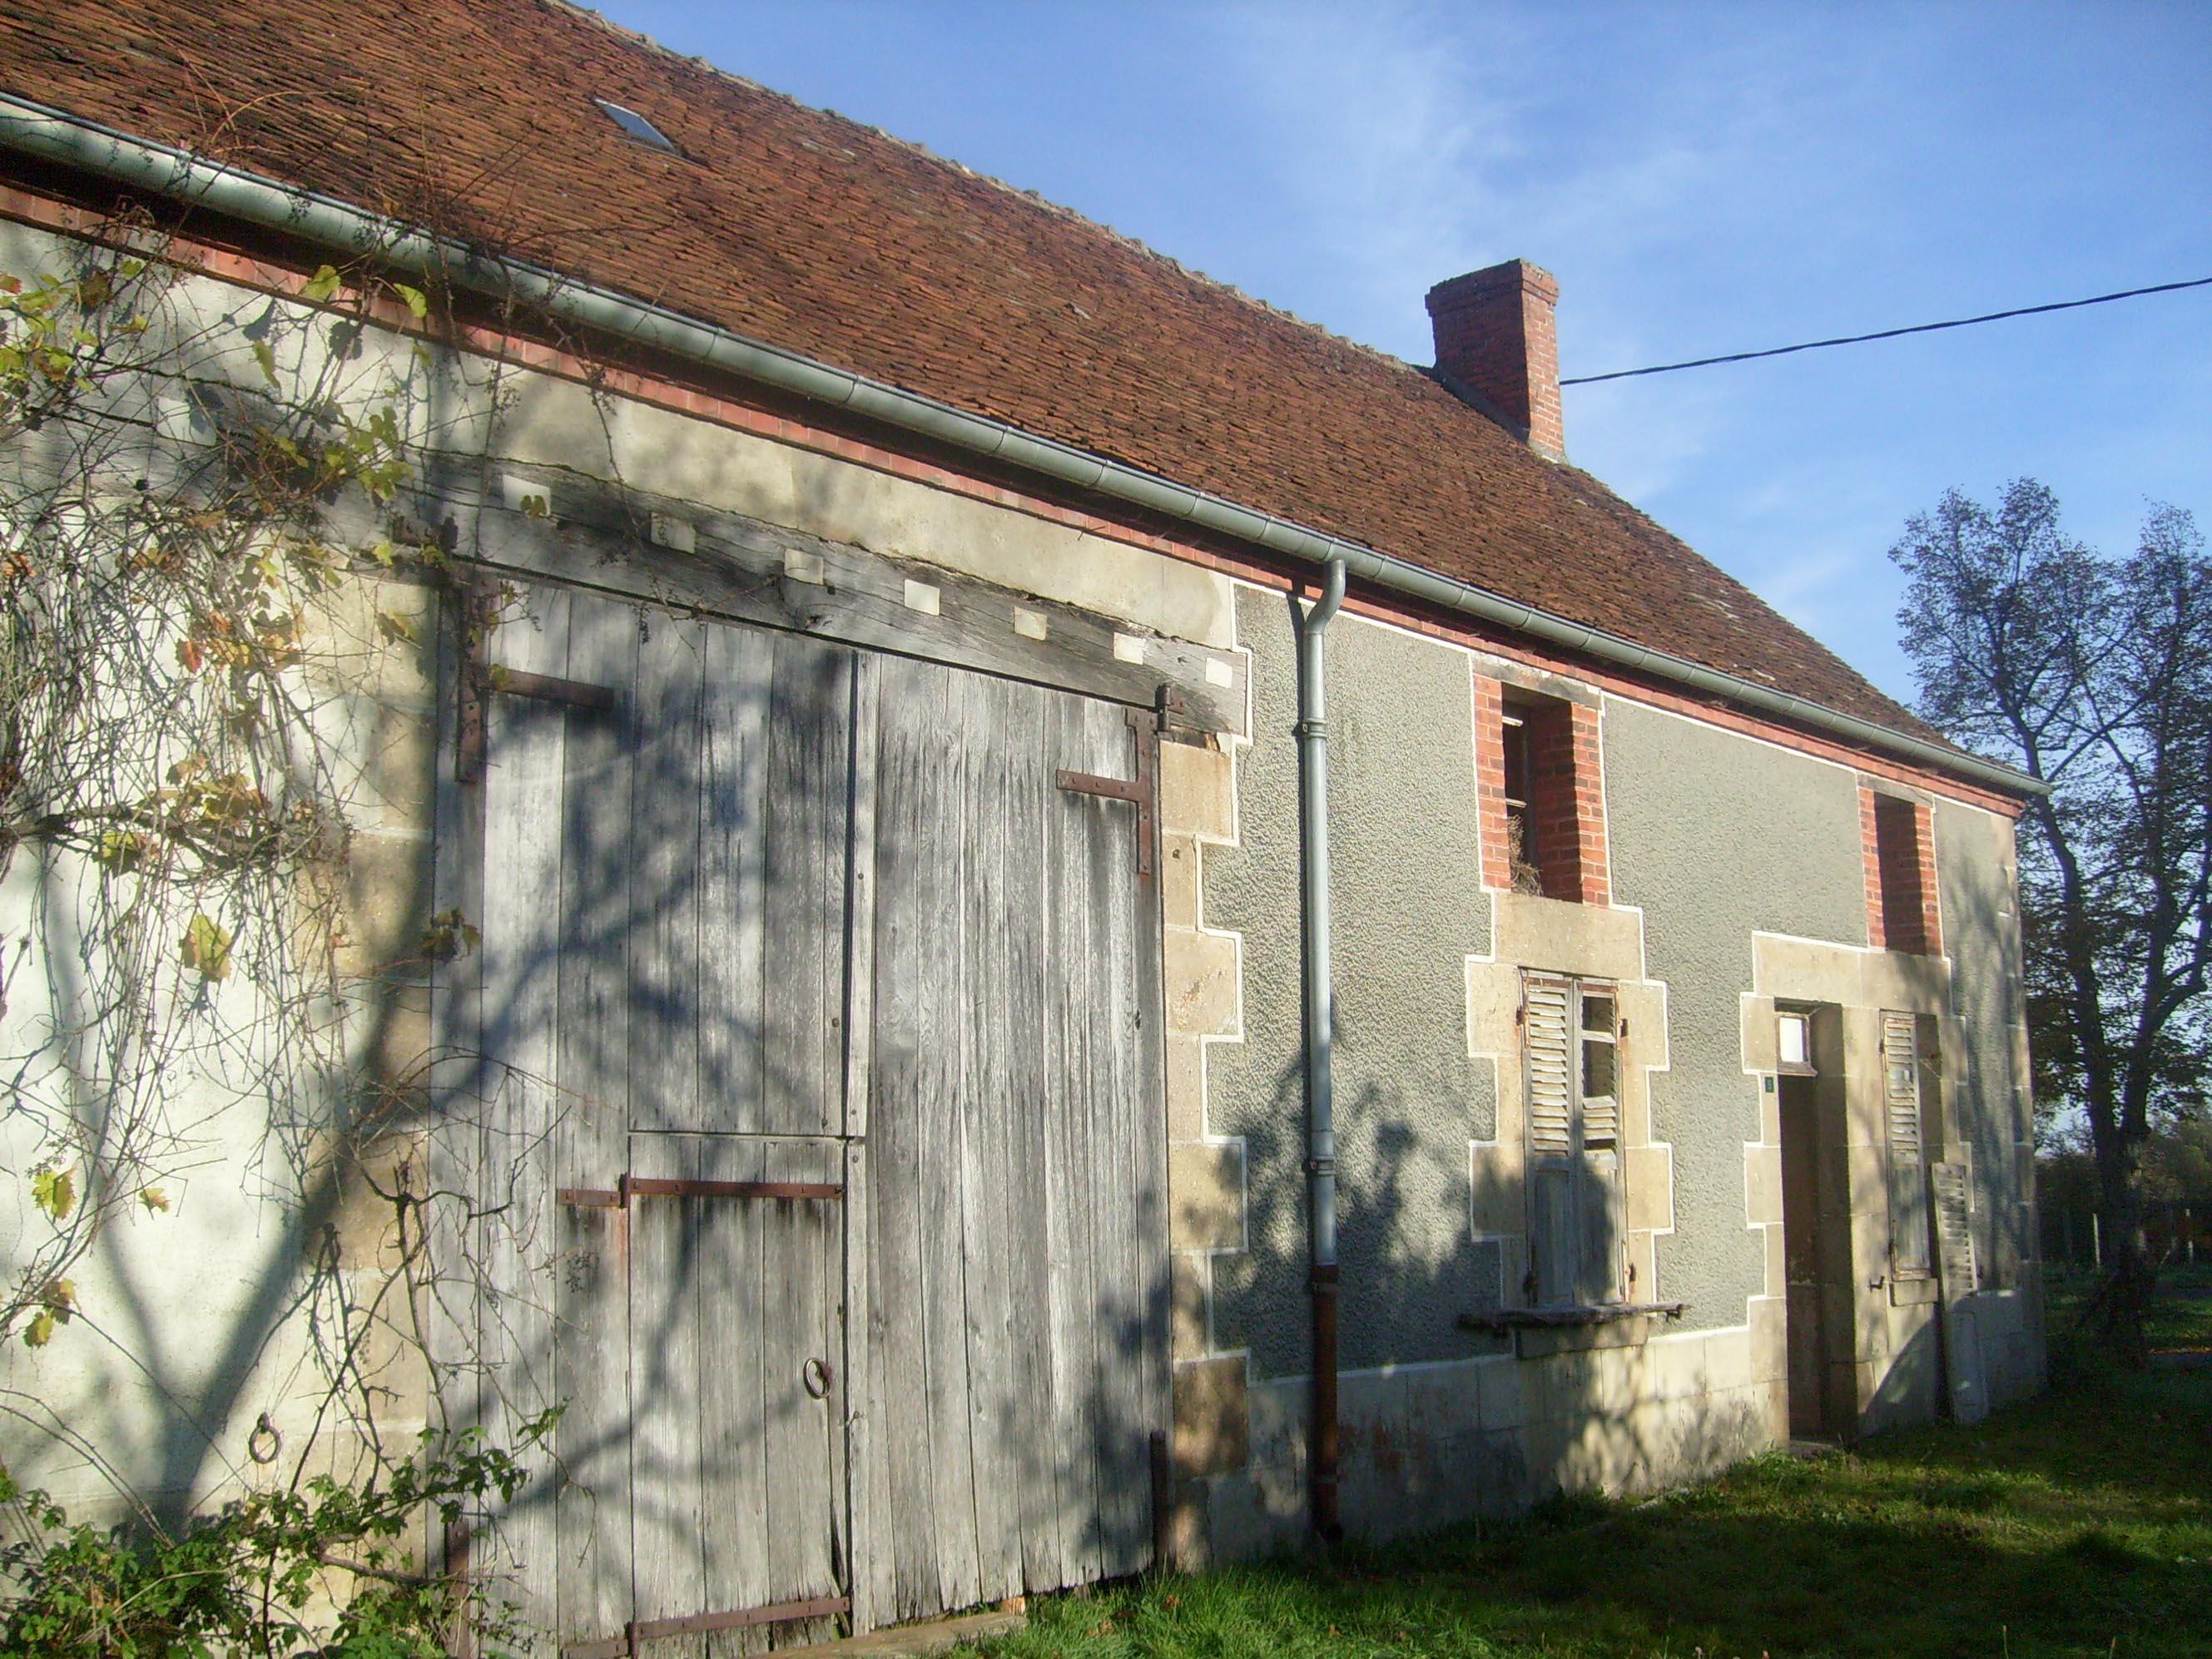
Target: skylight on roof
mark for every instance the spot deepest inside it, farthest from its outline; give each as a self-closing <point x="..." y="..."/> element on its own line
<point x="636" y="126"/>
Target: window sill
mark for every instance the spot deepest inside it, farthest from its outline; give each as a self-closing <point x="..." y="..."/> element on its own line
<point x="1539" y="1333"/>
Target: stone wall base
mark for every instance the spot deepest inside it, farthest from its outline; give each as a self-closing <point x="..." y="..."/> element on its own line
<point x="1427" y="1445"/>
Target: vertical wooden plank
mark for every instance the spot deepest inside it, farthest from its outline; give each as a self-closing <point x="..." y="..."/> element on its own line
<point x="809" y="779"/>
<point x="738" y="1298"/>
<point x="1074" y="1222"/>
<point x="867" y="1562"/>
<point x="902" y="1053"/>
<point x="668" y="806"/>
<point x="1148" y="1134"/>
<point x="667" y="810"/>
<point x="734" y="830"/>
<point x="520" y="943"/>
<point x="940" y="872"/>
<point x="591" y="1144"/>
<point x="1125" y="1482"/>
<point x="1031" y="796"/>
<point x="800" y="1238"/>
<point x="668" y="1501"/>
<point x="984" y="731"/>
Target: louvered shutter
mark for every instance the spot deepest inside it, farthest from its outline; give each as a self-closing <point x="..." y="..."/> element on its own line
<point x="1953" y="1229"/>
<point x="1548" y="1064"/>
<point x="1908" y="1176"/>
<point x="1551" y="1073"/>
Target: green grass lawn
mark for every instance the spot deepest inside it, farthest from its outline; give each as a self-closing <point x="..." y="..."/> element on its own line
<point x="2180" y="1312"/>
<point x="2077" y="1523"/>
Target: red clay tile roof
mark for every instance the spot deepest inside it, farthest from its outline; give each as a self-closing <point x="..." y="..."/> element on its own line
<point x="801" y="228"/>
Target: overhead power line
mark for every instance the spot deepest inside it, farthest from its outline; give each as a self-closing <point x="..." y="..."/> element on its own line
<point x="1889" y="333"/>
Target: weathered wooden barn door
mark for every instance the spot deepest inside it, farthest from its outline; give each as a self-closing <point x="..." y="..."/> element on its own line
<point x="810" y="981"/>
<point x="665" y="849"/>
<point x="1017" y="1268"/>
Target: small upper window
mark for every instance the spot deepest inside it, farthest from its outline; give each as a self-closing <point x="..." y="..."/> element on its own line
<point x="636" y="126"/>
<point x="1793" y="1034"/>
<point x="1902" y="912"/>
<point x="1554" y="805"/>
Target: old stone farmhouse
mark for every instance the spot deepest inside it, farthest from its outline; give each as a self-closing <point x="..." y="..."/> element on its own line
<point x="971" y="695"/>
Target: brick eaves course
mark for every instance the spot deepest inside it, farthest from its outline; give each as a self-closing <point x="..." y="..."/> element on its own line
<point x="810" y="232"/>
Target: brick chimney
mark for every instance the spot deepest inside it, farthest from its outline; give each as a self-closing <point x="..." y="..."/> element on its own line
<point x="1496" y="338"/>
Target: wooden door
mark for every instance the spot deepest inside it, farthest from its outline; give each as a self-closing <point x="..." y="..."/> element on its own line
<point x="1804" y="1253"/>
<point x="1017" y="1274"/>
<point x="664" y="840"/>
<point x="804" y="986"/>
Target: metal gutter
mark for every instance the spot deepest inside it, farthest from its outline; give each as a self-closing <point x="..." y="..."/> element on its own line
<point x="1318" y="985"/>
<point x="55" y="136"/>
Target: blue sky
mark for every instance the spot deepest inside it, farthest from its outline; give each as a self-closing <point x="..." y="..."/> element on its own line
<point x="1701" y="177"/>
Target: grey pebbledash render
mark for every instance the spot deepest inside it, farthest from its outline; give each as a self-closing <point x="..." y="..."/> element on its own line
<point x="855" y="707"/>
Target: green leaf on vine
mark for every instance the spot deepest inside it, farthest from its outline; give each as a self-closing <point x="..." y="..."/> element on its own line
<point x="206" y="947"/>
<point x="120" y="850"/>
<point x="325" y="283"/>
<point x="417" y="302"/>
<point x="54" y="1191"/>
<point x="56" y="1302"/>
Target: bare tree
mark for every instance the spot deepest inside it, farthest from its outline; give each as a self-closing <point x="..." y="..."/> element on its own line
<point x="2095" y="676"/>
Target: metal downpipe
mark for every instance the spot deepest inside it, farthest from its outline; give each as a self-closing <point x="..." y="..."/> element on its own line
<point x="1319" y="1036"/>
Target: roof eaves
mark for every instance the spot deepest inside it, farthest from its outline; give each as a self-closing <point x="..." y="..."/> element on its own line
<point x="57" y="136"/>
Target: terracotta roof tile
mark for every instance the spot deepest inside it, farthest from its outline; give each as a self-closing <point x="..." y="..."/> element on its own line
<point x="800" y="228"/>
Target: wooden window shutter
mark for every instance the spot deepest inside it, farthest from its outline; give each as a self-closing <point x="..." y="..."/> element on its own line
<point x="1909" y="1256"/>
<point x="1547" y="1062"/>
<point x="1600" y="1202"/>
<point x="1550" y="1053"/>
<point x="1576" y="1209"/>
<point x="1953" y="1229"/>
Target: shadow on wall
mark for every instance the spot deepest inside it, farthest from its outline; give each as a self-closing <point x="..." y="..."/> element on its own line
<point x="1470" y="1429"/>
<point x="696" y="1342"/>
<point x="1995" y="1116"/>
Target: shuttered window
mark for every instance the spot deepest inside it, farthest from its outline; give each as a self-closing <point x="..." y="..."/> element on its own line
<point x="1902" y="1103"/>
<point x="1571" y="1061"/>
<point x="1551" y="1095"/>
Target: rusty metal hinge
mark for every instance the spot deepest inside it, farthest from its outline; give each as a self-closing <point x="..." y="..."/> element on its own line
<point x="628" y="1186"/>
<point x="1144" y="730"/>
<point x="480" y="677"/>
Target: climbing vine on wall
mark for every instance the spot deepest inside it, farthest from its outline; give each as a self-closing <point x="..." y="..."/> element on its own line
<point x="184" y="639"/>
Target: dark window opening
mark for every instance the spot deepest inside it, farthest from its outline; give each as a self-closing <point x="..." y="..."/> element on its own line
<point x="1520" y="792"/>
<point x="1904" y="870"/>
<point x="1554" y="820"/>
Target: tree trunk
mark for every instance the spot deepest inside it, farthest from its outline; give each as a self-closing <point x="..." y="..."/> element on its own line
<point x="2124" y="1302"/>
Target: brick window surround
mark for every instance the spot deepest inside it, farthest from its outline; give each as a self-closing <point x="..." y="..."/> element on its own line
<point x="1563" y="816"/>
<point x="1898" y="839"/>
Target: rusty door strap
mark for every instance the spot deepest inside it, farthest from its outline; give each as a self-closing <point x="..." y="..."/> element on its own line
<point x="1144" y="726"/>
<point x="647" y="1630"/>
<point x="628" y="1186"/>
<point x="479" y="678"/>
